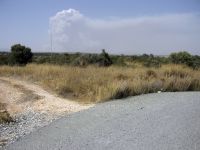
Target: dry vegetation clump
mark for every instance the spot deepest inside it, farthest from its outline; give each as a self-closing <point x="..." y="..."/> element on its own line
<point x="4" y="115"/>
<point x="97" y="84"/>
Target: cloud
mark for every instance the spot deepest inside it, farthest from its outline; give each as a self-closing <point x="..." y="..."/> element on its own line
<point x="73" y="31"/>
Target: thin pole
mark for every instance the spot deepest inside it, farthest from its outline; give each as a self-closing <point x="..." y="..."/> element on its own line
<point x="51" y="42"/>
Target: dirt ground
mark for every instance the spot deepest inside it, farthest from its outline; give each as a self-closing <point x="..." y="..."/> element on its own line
<point x="19" y="95"/>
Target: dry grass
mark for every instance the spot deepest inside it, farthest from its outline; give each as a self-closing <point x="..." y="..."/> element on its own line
<point x="94" y="84"/>
<point x="4" y="115"/>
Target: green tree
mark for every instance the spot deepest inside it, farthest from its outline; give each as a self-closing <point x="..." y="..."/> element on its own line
<point x="181" y="58"/>
<point x="104" y="59"/>
<point x="3" y="59"/>
<point x="20" y="54"/>
<point x="195" y="64"/>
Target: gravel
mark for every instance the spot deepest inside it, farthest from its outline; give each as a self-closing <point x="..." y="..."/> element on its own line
<point x="32" y="108"/>
<point x="24" y="124"/>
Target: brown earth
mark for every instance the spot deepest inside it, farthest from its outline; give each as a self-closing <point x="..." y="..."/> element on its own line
<point x="16" y="96"/>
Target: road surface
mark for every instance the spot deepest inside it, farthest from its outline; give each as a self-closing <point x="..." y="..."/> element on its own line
<point x="162" y="121"/>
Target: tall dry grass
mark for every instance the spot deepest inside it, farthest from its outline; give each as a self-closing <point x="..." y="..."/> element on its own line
<point x="97" y="84"/>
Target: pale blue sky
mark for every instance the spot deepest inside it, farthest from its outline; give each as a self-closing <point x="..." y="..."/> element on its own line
<point x="27" y="22"/>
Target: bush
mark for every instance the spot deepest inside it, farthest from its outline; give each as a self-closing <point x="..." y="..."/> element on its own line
<point x="195" y="63"/>
<point x="104" y="59"/>
<point x="81" y="61"/>
<point x="4" y="115"/>
<point x="20" y="55"/>
<point x="151" y="62"/>
<point x="181" y="58"/>
<point x="120" y="60"/>
<point x="3" y="59"/>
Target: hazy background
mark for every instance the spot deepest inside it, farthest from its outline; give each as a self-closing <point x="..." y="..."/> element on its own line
<point x="122" y="26"/>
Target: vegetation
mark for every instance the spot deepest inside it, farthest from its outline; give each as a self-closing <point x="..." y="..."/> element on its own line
<point x="181" y="58"/>
<point x="4" y="115"/>
<point x="101" y="77"/>
<point x="103" y="59"/>
<point x="20" y="55"/>
<point x="98" y="84"/>
<point x="3" y="59"/>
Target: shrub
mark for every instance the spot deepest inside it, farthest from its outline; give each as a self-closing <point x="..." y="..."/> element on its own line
<point x="81" y="61"/>
<point x="151" y="62"/>
<point x="181" y="58"/>
<point x="104" y="59"/>
<point x="20" y="55"/>
<point x="42" y="59"/>
<point x="195" y="64"/>
<point x="4" y="115"/>
<point x="123" y="90"/>
<point x="119" y="60"/>
<point x="3" y="59"/>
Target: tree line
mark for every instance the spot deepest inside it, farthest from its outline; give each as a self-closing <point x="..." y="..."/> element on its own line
<point x="21" y="55"/>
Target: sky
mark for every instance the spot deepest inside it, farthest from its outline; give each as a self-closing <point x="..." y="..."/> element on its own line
<point x="119" y="26"/>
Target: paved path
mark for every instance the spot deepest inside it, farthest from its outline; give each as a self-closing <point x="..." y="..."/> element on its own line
<point x="165" y="121"/>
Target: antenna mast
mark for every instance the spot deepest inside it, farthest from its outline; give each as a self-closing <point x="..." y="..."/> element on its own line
<point x="51" y="42"/>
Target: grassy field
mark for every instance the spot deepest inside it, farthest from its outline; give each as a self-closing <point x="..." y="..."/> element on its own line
<point x="97" y="84"/>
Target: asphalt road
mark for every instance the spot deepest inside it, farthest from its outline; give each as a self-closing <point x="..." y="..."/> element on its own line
<point x="165" y="121"/>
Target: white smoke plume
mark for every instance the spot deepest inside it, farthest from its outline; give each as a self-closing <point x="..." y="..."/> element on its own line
<point x="72" y="31"/>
